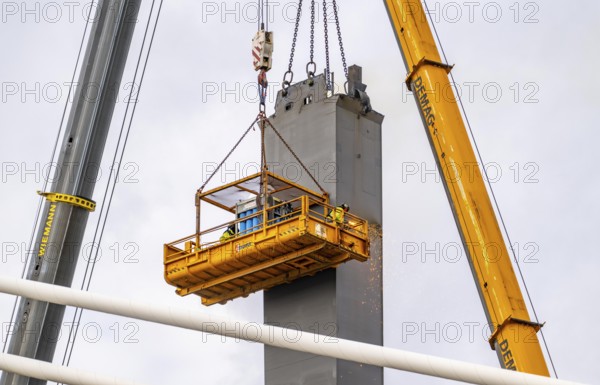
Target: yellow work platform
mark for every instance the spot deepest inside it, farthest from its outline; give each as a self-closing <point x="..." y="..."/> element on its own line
<point x="289" y="237"/>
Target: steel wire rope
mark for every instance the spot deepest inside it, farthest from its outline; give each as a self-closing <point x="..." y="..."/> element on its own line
<point x="258" y="15"/>
<point x="295" y="156"/>
<point x="41" y="199"/>
<point x="492" y="192"/>
<point x="229" y="154"/>
<point x="92" y="261"/>
<point x="262" y="14"/>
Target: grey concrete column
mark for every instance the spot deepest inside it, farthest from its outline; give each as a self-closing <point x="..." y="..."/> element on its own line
<point x="339" y="139"/>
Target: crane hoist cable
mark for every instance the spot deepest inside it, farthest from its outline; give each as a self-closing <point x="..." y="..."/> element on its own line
<point x="262" y="51"/>
<point x="487" y="179"/>
<point x="101" y="224"/>
<point x="263" y="14"/>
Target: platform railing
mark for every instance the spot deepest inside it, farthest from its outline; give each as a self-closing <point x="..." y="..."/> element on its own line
<point x="275" y="215"/>
<point x="351" y="223"/>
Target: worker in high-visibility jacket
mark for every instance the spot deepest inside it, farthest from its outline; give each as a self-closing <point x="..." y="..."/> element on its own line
<point x="337" y="215"/>
<point x="228" y="234"/>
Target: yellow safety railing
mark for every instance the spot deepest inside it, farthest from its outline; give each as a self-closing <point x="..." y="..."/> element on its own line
<point x="272" y="216"/>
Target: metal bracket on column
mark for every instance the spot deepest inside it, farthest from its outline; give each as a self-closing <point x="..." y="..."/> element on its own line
<point x="77" y="201"/>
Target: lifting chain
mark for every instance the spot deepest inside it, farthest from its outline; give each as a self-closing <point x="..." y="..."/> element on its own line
<point x="327" y="67"/>
<point x="311" y="67"/>
<point x="339" y="33"/>
<point x="288" y="76"/>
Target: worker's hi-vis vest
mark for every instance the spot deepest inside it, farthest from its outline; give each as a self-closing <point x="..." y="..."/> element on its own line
<point x="337" y="215"/>
<point x="228" y="234"/>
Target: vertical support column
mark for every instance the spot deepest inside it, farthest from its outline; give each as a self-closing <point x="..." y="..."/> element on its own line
<point x="339" y="140"/>
<point x="59" y="237"/>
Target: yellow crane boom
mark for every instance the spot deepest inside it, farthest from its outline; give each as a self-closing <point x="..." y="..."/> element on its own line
<point x="513" y="333"/>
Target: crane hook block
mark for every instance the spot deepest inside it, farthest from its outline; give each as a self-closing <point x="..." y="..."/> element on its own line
<point x="262" y="50"/>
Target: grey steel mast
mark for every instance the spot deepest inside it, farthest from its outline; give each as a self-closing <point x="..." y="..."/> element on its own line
<point x="65" y="214"/>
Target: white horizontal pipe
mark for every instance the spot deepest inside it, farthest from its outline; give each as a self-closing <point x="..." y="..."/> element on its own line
<point x="60" y="374"/>
<point x="278" y="337"/>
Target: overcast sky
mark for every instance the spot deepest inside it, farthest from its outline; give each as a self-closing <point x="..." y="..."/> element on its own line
<point x="528" y="72"/>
